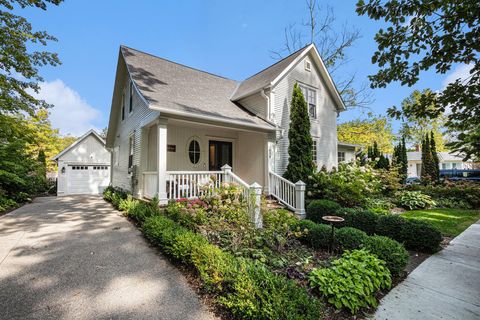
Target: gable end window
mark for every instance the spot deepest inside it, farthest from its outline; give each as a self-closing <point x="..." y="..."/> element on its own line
<point x="310" y="96"/>
<point x="130" y="103"/>
<point x="308" y="65"/>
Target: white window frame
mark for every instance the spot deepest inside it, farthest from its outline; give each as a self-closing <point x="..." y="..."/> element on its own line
<point x="199" y="151"/>
<point x="131" y="150"/>
<point x="308" y="65"/>
<point x="130" y="98"/>
<point x="311" y="101"/>
<point x="339" y="156"/>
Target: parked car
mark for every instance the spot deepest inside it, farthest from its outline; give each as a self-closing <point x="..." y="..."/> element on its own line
<point x="460" y="175"/>
<point x="412" y="181"/>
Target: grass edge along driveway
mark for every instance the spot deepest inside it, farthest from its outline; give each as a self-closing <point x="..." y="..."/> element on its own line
<point x="450" y="222"/>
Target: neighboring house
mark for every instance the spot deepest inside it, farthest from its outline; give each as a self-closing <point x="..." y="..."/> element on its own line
<point x="447" y="161"/>
<point x="84" y="166"/>
<point x="170" y="123"/>
<point x="347" y="152"/>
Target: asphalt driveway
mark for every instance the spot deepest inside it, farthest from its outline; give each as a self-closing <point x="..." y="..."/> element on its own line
<point x="77" y="258"/>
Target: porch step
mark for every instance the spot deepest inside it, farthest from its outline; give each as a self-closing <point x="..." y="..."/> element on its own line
<point x="272" y="203"/>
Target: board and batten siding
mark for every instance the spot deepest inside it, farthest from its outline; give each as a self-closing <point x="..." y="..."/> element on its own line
<point x="89" y="151"/>
<point x="323" y="128"/>
<point x="132" y="125"/>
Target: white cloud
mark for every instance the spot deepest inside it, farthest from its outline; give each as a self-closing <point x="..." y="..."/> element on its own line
<point x="70" y="112"/>
<point x="460" y="72"/>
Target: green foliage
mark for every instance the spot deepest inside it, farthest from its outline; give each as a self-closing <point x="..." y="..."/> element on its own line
<point x="420" y="235"/>
<point x="350" y="186"/>
<point x="364" y="220"/>
<point x="300" y="160"/>
<point x="390" y="251"/>
<point x="7" y="204"/>
<point x="400" y="160"/>
<point x="414" y="200"/>
<point x="438" y="35"/>
<point x="353" y="280"/>
<point x="316" y="209"/>
<point x="315" y="235"/>
<point x="349" y="238"/>
<point x="455" y="191"/>
<point x="415" y="235"/>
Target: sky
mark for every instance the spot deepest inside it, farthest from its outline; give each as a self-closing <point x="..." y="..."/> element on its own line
<point x="233" y="39"/>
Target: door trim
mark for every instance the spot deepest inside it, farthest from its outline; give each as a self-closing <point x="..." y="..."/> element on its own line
<point x="232" y="141"/>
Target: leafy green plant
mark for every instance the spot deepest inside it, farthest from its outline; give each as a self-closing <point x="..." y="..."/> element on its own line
<point x="352" y="281"/>
<point x="349" y="238"/>
<point x="319" y="208"/>
<point x="390" y="251"/>
<point x="315" y="235"/>
<point x="364" y="220"/>
<point x="391" y="226"/>
<point x="414" y="200"/>
<point x="420" y="235"/>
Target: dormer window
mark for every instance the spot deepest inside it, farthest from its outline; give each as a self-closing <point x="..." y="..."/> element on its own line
<point x="310" y="96"/>
<point x="308" y="65"/>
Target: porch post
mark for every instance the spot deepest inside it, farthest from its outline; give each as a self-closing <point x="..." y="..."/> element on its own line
<point x="300" y="199"/>
<point x="162" y="161"/>
<point x="256" y="212"/>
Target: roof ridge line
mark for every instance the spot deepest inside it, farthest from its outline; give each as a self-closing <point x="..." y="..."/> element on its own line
<point x="177" y="63"/>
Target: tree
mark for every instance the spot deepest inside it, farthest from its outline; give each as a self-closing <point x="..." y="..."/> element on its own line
<point x="366" y="132"/>
<point x="414" y="128"/>
<point x="300" y="158"/>
<point x="400" y="160"/>
<point x="435" y="160"/>
<point x="19" y="64"/>
<point x="432" y="34"/>
<point x="332" y="45"/>
<point x="428" y="166"/>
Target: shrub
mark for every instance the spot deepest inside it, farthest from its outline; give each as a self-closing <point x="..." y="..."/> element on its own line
<point x="349" y="238"/>
<point x="420" y="235"/>
<point x="7" y="203"/>
<point x="352" y="281"/>
<point x="464" y="191"/>
<point x="364" y="220"/>
<point x="319" y="208"/>
<point x="414" y="234"/>
<point x="315" y="235"/>
<point x="391" y="226"/>
<point x="414" y="200"/>
<point x="390" y="251"/>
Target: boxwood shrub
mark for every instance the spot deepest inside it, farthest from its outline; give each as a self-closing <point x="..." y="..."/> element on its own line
<point x="349" y="238"/>
<point x="390" y="251"/>
<point x="364" y="220"/>
<point x="391" y="226"/>
<point x="315" y="235"/>
<point x="319" y="208"/>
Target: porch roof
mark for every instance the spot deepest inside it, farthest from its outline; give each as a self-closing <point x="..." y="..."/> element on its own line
<point x="179" y="90"/>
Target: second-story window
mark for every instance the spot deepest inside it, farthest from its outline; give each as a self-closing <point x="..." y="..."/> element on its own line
<point x="310" y="96"/>
<point x="130" y="96"/>
<point x="314" y="150"/>
<point x="123" y="106"/>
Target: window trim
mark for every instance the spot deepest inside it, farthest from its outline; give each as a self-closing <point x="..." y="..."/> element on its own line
<point x="130" y="98"/>
<point x="123" y="106"/>
<point x="199" y="152"/>
<point x="131" y="150"/>
<point x="338" y="157"/>
<point x="315" y="150"/>
<point x="309" y="89"/>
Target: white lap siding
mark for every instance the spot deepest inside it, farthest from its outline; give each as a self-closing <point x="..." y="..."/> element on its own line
<point x="323" y="128"/>
<point x="132" y="124"/>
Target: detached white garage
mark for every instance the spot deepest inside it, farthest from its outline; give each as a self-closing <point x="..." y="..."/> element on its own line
<point x="84" y="166"/>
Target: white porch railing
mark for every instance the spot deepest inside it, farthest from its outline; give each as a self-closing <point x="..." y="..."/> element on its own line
<point x="290" y="194"/>
<point x="150" y="184"/>
<point x="190" y="184"/>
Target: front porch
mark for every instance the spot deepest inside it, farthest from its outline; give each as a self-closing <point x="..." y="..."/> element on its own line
<point x="199" y="157"/>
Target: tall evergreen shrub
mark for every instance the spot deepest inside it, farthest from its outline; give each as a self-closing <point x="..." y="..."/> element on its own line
<point x="300" y="158"/>
<point x="436" y="161"/>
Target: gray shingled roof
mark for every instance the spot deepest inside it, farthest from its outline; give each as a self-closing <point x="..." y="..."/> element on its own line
<point x="264" y="77"/>
<point x="178" y="88"/>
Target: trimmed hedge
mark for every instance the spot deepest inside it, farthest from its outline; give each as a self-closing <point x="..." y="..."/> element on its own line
<point x="315" y="235"/>
<point x="349" y="238"/>
<point x="319" y="208"/>
<point x="364" y="220"/>
<point x="415" y="234"/>
<point x="390" y="251"/>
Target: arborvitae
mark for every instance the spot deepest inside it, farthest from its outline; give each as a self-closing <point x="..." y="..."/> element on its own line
<point x="300" y="158"/>
<point x="404" y="160"/>
<point x="376" y="152"/>
<point x="427" y="173"/>
<point x="436" y="161"/>
<point x="369" y="153"/>
<point x="382" y="163"/>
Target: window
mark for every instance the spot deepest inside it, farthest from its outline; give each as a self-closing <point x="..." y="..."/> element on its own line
<point x="130" y="96"/>
<point x="341" y="156"/>
<point x="194" y="151"/>
<point x="123" y="106"/>
<point x="454" y="165"/>
<point x="444" y="166"/>
<point x="131" y="142"/>
<point x="308" y="65"/>
<point x="314" y="151"/>
<point x="310" y="96"/>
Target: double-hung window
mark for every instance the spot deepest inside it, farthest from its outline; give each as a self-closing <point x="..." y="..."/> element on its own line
<point x="310" y="96"/>
<point x="123" y="106"/>
<point x="131" y="142"/>
<point x="130" y="96"/>
<point x="341" y="156"/>
<point x="314" y="150"/>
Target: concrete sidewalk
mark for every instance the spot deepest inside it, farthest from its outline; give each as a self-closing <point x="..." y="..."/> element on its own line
<point x="445" y="286"/>
<point x="77" y="258"/>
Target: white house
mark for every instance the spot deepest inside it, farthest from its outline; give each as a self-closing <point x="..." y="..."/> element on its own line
<point x="347" y="151"/>
<point x="84" y="166"/>
<point x="172" y="126"/>
<point x="447" y="161"/>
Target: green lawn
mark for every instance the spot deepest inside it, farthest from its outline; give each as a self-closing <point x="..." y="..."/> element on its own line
<point x="451" y="222"/>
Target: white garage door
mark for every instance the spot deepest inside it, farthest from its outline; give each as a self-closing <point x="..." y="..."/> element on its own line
<point x="87" y="179"/>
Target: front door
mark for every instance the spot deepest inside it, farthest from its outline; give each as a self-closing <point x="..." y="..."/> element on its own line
<point x="220" y="153"/>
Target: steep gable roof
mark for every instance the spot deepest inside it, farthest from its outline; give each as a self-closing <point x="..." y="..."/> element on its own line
<point x="263" y="78"/>
<point x="174" y="88"/>
<point x="79" y="140"/>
